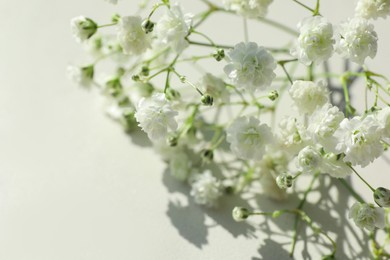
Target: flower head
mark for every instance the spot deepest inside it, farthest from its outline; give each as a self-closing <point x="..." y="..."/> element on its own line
<point x="367" y="216"/>
<point x="248" y="8"/>
<point x="358" y="40"/>
<point x="309" y="159"/>
<point x="315" y="41"/>
<point x="334" y="165"/>
<point x="83" y="28"/>
<point x="250" y="66"/>
<point x="248" y="138"/>
<point x="131" y="36"/>
<point x="359" y="138"/>
<point x="81" y="75"/>
<point x="156" y="117"/>
<point x="308" y="95"/>
<point x="323" y="123"/>
<point x="206" y="189"/>
<point x="373" y="9"/>
<point x="173" y="27"/>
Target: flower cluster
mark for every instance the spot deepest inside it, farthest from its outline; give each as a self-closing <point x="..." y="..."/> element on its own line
<point x="232" y="131"/>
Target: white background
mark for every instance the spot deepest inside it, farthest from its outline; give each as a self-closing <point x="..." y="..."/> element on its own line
<point x="74" y="186"/>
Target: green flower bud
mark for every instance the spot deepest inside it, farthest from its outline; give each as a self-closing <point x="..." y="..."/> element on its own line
<point x="219" y="55"/>
<point x="136" y="78"/>
<point x="207" y="100"/>
<point x="114" y="87"/>
<point x="147" y="26"/>
<point x="173" y="140"/>
<point x="115" y="18"/>
<point x="240" y="214"/>
<point x="172" y="94"/>
<point x="382" y="197"/>
<point x="273" y="95"/>
<point x="284" y="181"/>
<point x="207" y="155"/>
<point x="145" y="71"/>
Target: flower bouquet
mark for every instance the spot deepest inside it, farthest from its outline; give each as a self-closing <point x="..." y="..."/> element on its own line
<point x="228" y="132"/>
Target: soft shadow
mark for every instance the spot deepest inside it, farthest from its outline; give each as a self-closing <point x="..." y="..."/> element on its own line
<point x="327" y="206"/>
<point x="139" y="138"/>
<point x="190" y="220"/>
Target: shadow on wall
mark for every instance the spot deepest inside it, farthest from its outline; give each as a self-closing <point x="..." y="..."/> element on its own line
<point x="328" y="209"/>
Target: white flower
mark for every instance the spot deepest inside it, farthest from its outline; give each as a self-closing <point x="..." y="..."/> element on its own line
<point x="359" y="138"/>
<point x="83" y="28"/>
<point x="206" y="189"/>
<point x="373" y="8"/>
<point x="81" y="75"/>
<point x="250" y="66"/>
<point x="383" y="117"/>
<point x="358" y="40"/>
<point x="173" y="27"/>
<point x="323" y="123"/>
<point x="367" y="216"/>
<point x="333" y="165"/>
<point x="180" y="166"/>
<point x="156" y="117"/>
<point x="248" y="8"/>
<point x="240" y="214"/>
<point x="131" y="37"/>
<point x="315" y="41"/>
<point x="308" y="96"/>
<point x="248" y="139"/>
<point x="215" y="87"/>
<point x="309" y="159"/>
<point x="292" y="133"/>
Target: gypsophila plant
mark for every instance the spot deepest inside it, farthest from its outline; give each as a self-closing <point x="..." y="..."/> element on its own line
<point x="227" y="120"/>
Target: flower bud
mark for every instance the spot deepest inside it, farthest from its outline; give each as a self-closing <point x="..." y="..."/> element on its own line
<point x="207" y="100"/>
<point x="284" y="181"/>
<point x="172" y="94"/>
<point x="382" y="197"/>
<point x="207" y="155"/>
<point x="83" y="28"/>
<point x="173" y="140"/>
<point x="114" y="87"/>
<point x="145" y="71"/>
<point x="240" y="214"/>
<point x="219" y="55"/>
<point x="147" y="26"/>
<point x="136" y="78"/>
<point x="115" y="18"/>
<point x="273" y="95"/>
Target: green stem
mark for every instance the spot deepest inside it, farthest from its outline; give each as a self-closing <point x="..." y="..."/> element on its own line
<point x="304" y="6"/>
<point x="107" y="25"/>
<point x="361" y="178"/>
<point x="300" y="206"/>
<point x="210" y="45"/>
